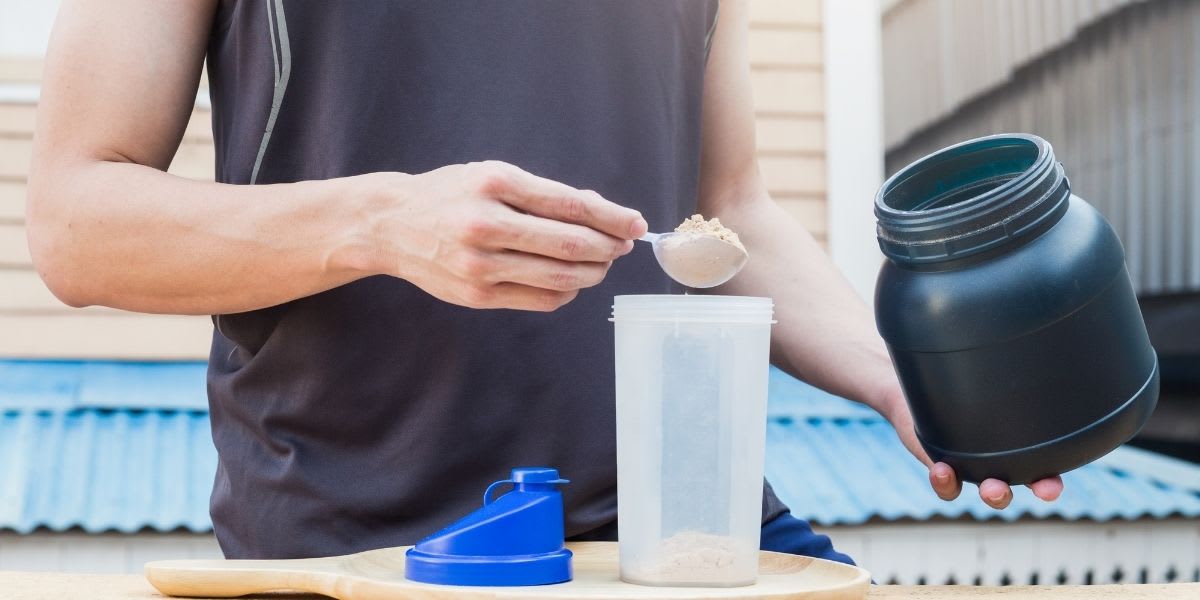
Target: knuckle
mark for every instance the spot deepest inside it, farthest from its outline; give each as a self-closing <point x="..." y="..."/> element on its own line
<point x="575" y="208"/>
<point x="493" y="176"/>
<point x="593" y="195"/>
<point x="478" y="229"/>
<point x="474" y="266"/>
<point x="573" y="246"/>
<point x="564" y="280"/>
<point x="479" y="296"/>
<point x="494" y="164"/>
<point x="620" y="248"/>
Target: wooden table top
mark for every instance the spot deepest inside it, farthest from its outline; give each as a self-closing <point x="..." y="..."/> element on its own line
<point x="15" y="584"/>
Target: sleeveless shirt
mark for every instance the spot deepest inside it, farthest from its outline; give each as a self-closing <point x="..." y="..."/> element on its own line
<point x="372" y="414"/>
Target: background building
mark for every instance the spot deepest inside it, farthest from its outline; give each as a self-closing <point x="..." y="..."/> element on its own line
<point x="105" y="457"/>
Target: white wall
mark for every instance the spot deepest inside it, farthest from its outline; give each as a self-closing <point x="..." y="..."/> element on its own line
<point x="854" y="146"/>
<point x="99" y="553"/>
<point x="25" y="26"/>
<point x="997" y="552"/>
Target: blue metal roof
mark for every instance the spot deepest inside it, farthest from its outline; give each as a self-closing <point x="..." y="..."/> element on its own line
<point x="104" y="446"/>
<point x="105" y="470"/>
<point x="66" y="384"/>
<point x="107" y="446"/>
<point x="839" y="463"/>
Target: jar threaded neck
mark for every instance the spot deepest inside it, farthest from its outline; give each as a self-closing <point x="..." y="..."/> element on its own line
<point x="970" y="198"/>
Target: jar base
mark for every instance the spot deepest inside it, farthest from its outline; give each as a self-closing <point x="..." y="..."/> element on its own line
<point x="1057" y="456"/>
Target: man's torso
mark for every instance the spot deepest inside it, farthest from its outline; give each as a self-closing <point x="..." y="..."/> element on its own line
<point x="371" y="414"/>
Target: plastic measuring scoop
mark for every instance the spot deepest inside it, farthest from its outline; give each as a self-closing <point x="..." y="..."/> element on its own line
<point x="514" y="539"/>
<point x="695" y="259"/>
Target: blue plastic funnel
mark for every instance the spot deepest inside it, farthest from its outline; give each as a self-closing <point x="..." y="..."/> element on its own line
<point x="516" y="539"/>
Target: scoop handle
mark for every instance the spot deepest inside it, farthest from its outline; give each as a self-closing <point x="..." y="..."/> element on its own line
<point x="650" y="237"/>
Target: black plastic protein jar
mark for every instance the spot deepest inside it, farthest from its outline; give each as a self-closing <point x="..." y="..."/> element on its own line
<point x="1008" y="313"/>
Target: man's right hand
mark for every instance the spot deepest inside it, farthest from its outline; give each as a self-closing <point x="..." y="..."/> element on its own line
<point x="490" y="235"/>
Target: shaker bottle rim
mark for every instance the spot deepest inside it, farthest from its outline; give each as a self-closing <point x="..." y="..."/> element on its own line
<point x="692" y="308"/>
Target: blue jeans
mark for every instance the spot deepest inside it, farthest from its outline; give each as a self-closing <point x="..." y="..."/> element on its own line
<point x="786" y="533"/>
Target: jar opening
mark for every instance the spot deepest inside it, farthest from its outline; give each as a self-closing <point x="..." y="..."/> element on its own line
<point x="966" y="172"/>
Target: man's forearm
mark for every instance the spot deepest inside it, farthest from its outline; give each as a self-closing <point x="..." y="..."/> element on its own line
<point x="132" y="237"/>
<point x="481" y="235"/>
<point x="825" y="332"/>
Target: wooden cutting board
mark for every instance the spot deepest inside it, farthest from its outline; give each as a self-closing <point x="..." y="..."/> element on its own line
<point x="379" y="574"/>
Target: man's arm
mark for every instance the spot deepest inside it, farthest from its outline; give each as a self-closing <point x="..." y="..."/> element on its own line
<point x="826" y="333"/>
<point x="107" y="225"/>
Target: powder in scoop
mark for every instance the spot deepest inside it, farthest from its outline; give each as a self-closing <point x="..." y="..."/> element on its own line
<point x="713" y="227"/>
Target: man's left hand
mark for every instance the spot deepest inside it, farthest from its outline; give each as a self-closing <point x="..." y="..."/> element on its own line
<point x="995" y="493"/>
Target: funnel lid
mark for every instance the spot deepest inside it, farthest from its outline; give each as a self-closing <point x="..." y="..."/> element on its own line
<point x="514" y="539"/>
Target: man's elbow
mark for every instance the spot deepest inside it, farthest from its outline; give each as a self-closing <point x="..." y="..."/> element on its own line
<point x="47" y="232"/>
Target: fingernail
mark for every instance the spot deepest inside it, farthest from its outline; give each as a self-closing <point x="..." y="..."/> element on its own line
<point x="996" y="498"/>
<point x="942" y="478"/>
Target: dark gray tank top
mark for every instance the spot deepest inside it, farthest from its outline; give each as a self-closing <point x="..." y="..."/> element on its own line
<point x="372" y="414"/>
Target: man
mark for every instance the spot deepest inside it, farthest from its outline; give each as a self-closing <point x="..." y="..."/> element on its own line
<point x="409" y="272"/>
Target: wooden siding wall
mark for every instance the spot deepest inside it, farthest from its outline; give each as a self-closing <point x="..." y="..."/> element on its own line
<point x="786" y="60"/>
<point x="33" y="324"/>
<point x="786" y="57"/>
<point x="939" y="54"/>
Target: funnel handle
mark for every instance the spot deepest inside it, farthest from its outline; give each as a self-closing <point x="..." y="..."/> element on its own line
<point x="487" y="494"/>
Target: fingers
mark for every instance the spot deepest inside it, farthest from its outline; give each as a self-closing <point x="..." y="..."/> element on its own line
<point x="546" y="273"/>
<point x="561" y="202"/>
<point x="515" y="296"/>
<point x="995" y="493"/>
<point x="1048" y="489"/>
<point x="945" y="483"/>
<point x="510" y="279"/>
<point x="555" y="239"/>
<point x="999" y="495"/>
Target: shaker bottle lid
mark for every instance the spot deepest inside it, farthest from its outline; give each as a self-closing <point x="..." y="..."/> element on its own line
<point x="514" y="539"/>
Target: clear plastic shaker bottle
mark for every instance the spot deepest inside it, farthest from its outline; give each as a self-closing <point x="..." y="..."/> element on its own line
<point x="691" y="387"/>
